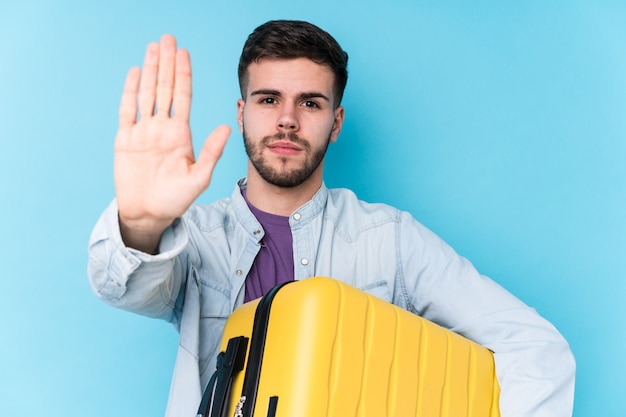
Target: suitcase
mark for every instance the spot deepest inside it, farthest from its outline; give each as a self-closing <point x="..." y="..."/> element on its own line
<point x="321" y="348"/>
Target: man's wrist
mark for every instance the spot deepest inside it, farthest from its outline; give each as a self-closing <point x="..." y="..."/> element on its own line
<point x="142" y="234"/>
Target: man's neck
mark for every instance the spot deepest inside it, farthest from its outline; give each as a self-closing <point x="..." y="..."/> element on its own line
<point x="279" y="200"/>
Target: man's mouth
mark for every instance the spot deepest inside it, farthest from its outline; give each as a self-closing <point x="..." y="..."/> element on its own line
<point x="284" y="147"/>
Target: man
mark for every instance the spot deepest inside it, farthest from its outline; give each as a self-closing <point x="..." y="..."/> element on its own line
<point x="156" y="253"/>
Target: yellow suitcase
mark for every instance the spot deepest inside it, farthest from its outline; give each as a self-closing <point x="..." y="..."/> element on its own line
<point x="321" y="348"/>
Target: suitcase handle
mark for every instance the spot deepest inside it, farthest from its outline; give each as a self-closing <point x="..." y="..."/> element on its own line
<point x="217" y="391"/>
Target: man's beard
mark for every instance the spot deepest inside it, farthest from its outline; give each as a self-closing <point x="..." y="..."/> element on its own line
<point x="283" y="177"/>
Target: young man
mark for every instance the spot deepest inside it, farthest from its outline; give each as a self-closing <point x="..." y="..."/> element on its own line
<point x="155" y="253"/>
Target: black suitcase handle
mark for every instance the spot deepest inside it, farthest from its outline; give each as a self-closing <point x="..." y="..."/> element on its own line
<point x="217" y="392"/>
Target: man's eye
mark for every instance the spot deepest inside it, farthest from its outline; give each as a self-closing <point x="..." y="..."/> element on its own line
<point x="268" y="100"/>
<point x="311" y="104"/>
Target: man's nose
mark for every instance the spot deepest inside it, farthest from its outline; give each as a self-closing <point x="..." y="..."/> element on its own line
<point x="288" y="119"/>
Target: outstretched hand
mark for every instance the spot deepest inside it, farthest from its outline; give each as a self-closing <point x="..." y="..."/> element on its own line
<point x="157" y="176"/>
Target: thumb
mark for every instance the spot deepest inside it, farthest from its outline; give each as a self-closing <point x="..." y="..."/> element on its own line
<point x="210" y="154"/>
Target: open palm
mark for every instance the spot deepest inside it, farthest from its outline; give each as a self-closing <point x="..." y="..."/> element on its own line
<point x="157" y="176"/>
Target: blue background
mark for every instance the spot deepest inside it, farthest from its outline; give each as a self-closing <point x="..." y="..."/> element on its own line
<point x="501" y="125"/>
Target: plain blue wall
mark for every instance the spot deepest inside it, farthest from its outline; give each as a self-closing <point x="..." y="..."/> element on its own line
<point x="499" y="125"/>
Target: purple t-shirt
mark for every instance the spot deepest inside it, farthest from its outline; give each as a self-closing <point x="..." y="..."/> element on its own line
<point x="274" y="263"/>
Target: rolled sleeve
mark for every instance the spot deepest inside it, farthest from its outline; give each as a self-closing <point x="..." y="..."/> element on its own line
<point x="113" y="269"/>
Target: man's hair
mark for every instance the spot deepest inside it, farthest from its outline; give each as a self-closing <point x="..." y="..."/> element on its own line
<point x="290" y="39"/>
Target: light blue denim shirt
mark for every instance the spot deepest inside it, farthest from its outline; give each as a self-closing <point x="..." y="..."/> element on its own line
<point x="197" y="280"/>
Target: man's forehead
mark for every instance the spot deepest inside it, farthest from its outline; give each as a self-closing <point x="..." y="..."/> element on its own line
<point x="289" y="73"/>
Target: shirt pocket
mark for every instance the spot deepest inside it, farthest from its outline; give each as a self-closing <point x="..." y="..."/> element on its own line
<point x="214" y="311"/>
<point x="379" y="288"/>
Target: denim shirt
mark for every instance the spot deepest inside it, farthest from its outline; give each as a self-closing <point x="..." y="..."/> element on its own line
<point x="197" y="279"/>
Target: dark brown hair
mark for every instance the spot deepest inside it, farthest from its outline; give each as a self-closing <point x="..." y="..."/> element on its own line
<point x="290" y="39"/>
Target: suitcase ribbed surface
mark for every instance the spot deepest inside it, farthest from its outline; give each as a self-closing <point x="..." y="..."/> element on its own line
<point x="334" y="351"/>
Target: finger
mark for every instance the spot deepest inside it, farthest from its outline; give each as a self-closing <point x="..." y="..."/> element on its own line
<point x="128" y="103"/>
<point x="182" y="86"/>
<point x="148" y="80"/>
<point x="165" y="84"/>
<point x="210" y="154"/>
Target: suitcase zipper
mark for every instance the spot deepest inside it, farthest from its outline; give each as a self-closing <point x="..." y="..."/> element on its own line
<point x="246" y="404"/>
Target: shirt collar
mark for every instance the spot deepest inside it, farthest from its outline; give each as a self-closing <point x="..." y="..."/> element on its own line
<point x="301" y="215"/>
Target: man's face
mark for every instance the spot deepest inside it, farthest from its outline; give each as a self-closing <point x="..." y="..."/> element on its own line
<point x="288" y="118"/>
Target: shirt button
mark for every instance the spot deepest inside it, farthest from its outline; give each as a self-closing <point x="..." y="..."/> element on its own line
<point x="297" y="216"/>
<point x="239" y="272"/>
<point x="256" y="232"/>
<point x="304" y="261"/>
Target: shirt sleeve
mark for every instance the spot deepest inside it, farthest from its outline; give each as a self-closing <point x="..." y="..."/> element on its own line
<point x="133" y="280"/>
<point x="534" y="364"/>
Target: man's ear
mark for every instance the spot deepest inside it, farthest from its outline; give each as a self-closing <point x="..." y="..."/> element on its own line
<point x="240" y="105"/>
<point x="338" y="124"/>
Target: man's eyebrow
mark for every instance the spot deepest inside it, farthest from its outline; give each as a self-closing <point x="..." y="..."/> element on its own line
<point x="313" y="94"/>
<point x="301" y="96"/>
<point x="266" y="93"/>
